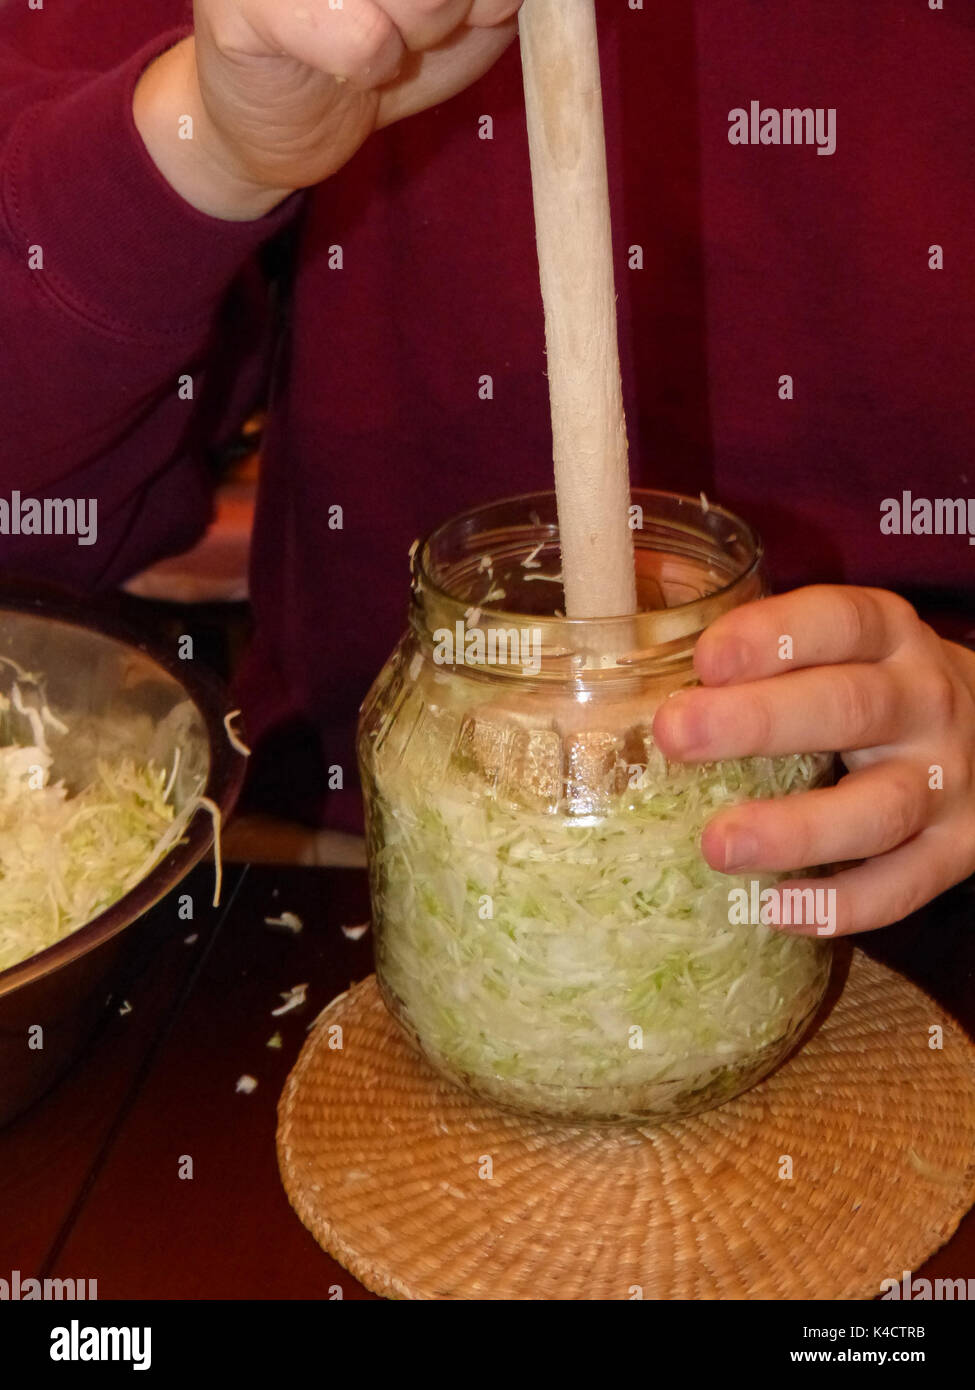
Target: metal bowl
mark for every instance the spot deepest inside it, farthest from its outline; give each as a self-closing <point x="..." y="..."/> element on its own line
<point x="115" y="696"/>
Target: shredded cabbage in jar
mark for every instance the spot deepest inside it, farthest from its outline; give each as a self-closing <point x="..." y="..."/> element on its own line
<point x="583" y="966"/>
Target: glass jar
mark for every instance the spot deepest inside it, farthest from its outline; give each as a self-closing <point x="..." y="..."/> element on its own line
<point x="547" y="931"/>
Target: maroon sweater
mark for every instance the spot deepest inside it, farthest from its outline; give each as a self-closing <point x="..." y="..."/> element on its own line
<point x="758" y="261"/>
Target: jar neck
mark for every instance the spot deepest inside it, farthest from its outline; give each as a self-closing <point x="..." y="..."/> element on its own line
<point x="487" y="594"/>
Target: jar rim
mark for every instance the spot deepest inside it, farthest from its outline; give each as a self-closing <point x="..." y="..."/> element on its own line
<point x="752" y="541"/>
<point x="687" y="531"/>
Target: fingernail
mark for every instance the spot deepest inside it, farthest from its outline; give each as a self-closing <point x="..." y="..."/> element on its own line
<point x="740" y="850"/>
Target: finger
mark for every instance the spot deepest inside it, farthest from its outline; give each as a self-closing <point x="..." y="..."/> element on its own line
<point x="869" y="812"/>
<point x="831" y="708"/>
<point x="450" y="67"/>
<point x="820" y="625"/>
<point x="887" y="888"/>
<point x="358" y="43"/>
<point x="423" y="24"/>
<point x="486" y="13"/>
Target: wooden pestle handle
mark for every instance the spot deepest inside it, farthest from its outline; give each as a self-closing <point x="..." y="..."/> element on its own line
<point x="563" y="101"/>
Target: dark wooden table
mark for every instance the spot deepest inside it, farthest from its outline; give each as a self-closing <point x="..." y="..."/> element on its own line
<point x="90" y="1183"/>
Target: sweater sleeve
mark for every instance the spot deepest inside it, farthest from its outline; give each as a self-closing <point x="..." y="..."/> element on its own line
<point x="129" y="322"/>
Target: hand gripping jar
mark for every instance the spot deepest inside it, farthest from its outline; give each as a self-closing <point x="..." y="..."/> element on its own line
<point x="547" y="931"/>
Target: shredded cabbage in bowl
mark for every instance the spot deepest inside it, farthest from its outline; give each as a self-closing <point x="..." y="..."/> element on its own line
<point x="64" y="858"/>
<point x="70" y="849"/>
<point x="583" y="967"/>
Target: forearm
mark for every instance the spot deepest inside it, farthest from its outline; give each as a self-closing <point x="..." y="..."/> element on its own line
<point x="112" y="287"/>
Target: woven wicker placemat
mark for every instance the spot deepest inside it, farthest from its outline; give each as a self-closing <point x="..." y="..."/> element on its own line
<point x="387" y="1167"/>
